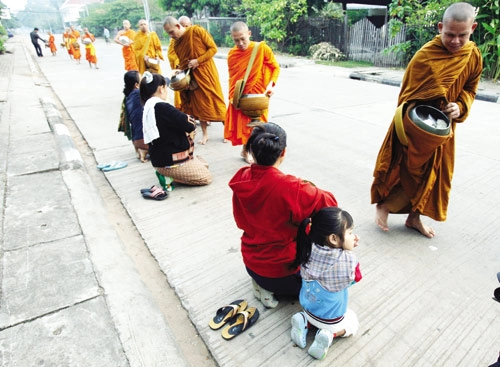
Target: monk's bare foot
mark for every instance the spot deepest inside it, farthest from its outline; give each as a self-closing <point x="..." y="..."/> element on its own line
<point x="413" y="221"/>
<point x="225" y="141"/>
<point x="203" y="140"/>
<point x="381" y="215"/>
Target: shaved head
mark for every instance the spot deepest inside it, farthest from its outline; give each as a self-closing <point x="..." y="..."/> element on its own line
<point x="185" y="21"/>
<point x="239" y="27"/>
<point x="460" y="12"/>
<point x="170" y="21"/>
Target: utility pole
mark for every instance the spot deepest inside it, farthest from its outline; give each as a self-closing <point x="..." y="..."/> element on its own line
<point x="146" y="13"/>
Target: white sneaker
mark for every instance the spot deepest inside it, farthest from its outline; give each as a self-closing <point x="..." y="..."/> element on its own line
<point x="299" y="329"/>
<point x="321" y="343"/>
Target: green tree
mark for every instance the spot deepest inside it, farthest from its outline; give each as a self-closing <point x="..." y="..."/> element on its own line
<point x="43" y="14"/>
<point x="216" y="8"/>
<point x="274" y="17"/>
<point x="487" y="37"/>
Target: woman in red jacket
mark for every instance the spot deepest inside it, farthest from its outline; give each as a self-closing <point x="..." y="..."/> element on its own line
<point x="269" y="205"/>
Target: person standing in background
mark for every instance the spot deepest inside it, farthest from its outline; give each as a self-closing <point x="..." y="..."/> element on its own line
<point x="34" y="40"/>
<point x="125" y="38"/>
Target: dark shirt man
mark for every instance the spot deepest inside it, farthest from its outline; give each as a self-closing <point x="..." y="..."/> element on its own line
<point x="34" y="40"/>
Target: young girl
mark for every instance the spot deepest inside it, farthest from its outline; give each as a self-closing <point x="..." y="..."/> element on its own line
<point x="328" y="267"/>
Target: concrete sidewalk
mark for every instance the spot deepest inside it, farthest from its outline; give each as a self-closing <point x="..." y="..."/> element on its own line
<point x="71" y="296"/>
<point x="421" y="302"/>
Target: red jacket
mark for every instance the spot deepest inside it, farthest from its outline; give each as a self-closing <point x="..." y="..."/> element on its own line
<point x="269" y="206"/>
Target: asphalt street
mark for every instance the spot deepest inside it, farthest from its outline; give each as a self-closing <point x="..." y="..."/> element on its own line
<point x="74" y="295"/>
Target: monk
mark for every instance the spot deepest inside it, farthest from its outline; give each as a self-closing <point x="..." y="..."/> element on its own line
<point x="74" y="36"/>
<point x="127" y="49"/>
<point x="67" y="42"/>
<point x="90" y="54"/>
<point x="174" y="60"/>
<point x="147" y="48"/>
<point x="261" y="80"/>
<point x="52" y="44"/>
<point x="445" y="74"/>
<point x="195" y="48"/>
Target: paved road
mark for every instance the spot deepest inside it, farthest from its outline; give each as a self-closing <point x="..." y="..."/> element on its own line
<point x="421" y="303"/>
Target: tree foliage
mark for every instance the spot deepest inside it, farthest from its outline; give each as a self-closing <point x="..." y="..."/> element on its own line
<point x="43" y="14"/>
<point x="112" y="13"/>
<point x="421" y="18"/>
<point x="199" y="8"/>
<point x="274" y="17"/>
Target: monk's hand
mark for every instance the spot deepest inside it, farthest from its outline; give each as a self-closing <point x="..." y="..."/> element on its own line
<point x="193" y="64"/>
<point x="270" y="89"/>
<point x="452" y="110"/>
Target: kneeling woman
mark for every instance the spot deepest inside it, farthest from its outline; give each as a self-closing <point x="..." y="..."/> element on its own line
<point x="168" y="132"/>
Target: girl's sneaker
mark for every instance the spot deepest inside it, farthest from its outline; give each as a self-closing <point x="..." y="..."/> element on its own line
<point x="321" y="343"/>
<point x="299" y="329"/>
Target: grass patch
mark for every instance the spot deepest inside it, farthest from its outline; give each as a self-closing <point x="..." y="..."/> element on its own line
<point x="346" y="64"/>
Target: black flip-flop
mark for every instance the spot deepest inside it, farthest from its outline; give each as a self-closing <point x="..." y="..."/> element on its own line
<point x="151" y="189"/>
<point x="241" y="322"/>
<point x="155" y="195"/>
<point x="225" y="313"/>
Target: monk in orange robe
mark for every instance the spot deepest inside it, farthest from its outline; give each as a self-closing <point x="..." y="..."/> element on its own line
<point x="195" y="48"/>
<point x="74" y="36"/>
<point x="174" y="60"/>
<point x="127" y="49"/>
<point x="52" y="44"/>
<point x="90" y="54"/>
<point x="67" y="42"/>
<point x="147" y="46"/>
<point x="445" y="74"/>
<point x="261" y="80"/>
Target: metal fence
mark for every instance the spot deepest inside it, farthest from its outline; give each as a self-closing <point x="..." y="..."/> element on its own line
<point x="362" y="41"/>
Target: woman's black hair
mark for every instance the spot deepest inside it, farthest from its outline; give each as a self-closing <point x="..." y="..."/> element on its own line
<point x="149" y="85"/>
<point x="327" y="221"/>
<point x="266" y="143"/>
<point x="130" y="78"/>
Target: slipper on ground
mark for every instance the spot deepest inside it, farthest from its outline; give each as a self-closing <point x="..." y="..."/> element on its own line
<point x="112" y="166"/>
<point x="241" y="322"/>
<point x="151" y="189"/>
<point x="225" y="313"/>
<point x="158" y="194"/>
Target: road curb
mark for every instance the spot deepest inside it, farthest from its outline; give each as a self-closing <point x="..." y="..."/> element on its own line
<point x="70" y="156"/>
<point x="377" y="77"/>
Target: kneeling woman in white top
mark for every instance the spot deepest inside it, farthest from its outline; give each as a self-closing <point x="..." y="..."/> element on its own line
<point x="169" y="133"/>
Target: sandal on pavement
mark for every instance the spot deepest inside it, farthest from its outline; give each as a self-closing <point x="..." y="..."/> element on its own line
<point x="158" y="194"/>
<point x="112" y="166"/>
<point x="299" y="329"/>
<point x="241" y="322"/>
<point x="225" y="313"/>
<point x="151" y="189"/>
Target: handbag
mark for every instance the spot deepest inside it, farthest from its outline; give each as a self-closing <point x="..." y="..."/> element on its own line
<point x="240" y="84"/>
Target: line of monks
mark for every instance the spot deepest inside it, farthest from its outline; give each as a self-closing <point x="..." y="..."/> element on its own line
<point x="71" y="42"/>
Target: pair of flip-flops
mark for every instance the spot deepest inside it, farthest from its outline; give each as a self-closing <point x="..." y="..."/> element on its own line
<point x="154" y="193"/>
<point x="112" y="166"/>
<point x="237" y="318"/>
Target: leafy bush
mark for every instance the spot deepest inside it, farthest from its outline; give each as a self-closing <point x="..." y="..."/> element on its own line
<point x="326" y="52"/>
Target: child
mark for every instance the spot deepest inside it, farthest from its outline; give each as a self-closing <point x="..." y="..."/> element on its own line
<point x="328" y="267"/>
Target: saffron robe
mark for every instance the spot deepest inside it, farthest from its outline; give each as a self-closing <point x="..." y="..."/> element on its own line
<point x="90" y="54"/>
<point x="144" y="48"/>
<point x="404" y="179"/>
<point x="205" y="103"/>
<point x="174" y="62"/>
<point x="265" y="69"/>
<point x="52" y="43"/>
<point x="128" y="51"/>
